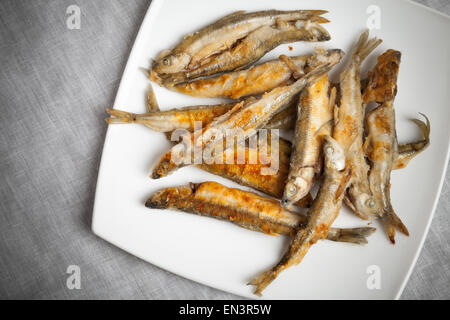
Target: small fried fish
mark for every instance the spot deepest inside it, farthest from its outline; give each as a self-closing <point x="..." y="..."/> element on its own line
<point x="315" y="112"/>
<point x="245" y="209"/>
<point x="381" y="145"/>
<point x="322" y="214"/>
<point x="349" y="128"/>
<point x="258" y="79"/>
<point x="236" y="41"/>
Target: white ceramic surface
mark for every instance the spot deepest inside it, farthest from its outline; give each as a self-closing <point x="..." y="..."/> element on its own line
<point x="225" y="256"/>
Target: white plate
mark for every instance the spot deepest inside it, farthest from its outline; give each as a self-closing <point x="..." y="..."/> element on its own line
<point x="225" y="256"/>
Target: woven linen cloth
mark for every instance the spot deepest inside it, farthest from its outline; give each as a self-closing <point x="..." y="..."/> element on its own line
<point x="55" y="83"/>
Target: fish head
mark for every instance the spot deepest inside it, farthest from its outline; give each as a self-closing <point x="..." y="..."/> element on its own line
<point x="294" y="191"/>
<point x="382" y="80"/>
<point x="165" y="198"/>
<point x="298" y="187"/>
<point x="366" y="206"/>
<point x="334" y="154"/>
<point x="171" y="63"/>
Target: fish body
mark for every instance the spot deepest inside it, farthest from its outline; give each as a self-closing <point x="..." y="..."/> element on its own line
<point x="186" y="117"/>
<point x="246" y="52"/>
<point x="256" y="80"/>
<point x="243" y="208"/>
<point x="285" y="119"/>
<point x="381" y="143"/>
<point x="249" y="172"/>
<point x="315" y="113"/>
<point x="242" y="121"/>
<point x="222" y="36"/>
<point x="322" y="214"/>
<point x="170" y="120"/>
<point x="348" y="129"/>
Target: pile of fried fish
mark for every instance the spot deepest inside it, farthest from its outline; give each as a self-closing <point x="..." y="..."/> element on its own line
<point x="338" y="143"/>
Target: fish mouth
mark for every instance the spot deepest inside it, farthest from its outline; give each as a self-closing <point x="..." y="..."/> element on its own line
<point x="324" y="37"/>
<point x="155" y="204"/>
<point x="289" y="203"/>
<point x="285" y="202"/>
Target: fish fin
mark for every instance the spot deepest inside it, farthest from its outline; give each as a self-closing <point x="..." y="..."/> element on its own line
<point x="365" y="46"/>
<point x="151" y="104"/>
<point x="332" y="97"/>
<point x="347" y="175"/>
<point x="391" y="222"/>
<point x="119" y="116"/>
<point x="351" y="235"/>
<point x="336" y="114"/>
<point x="319" y="19"/>
<point x="349" y="203"/>
<point x="147" y="72"/>
<point x="325" y="126"/>
<point x="297" y="72"/>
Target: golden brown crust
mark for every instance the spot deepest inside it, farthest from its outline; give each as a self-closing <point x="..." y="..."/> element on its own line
<point x="382" y="84"/>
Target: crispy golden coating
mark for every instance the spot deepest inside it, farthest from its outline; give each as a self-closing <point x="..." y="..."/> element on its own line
<point x="243" y="208"/>
<point x="258" y="79"/>
<point x="236" y="41"/>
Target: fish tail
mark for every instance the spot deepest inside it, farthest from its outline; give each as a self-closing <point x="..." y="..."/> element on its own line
<point x="119" y="116"/>
<point x="351" y="235"/>
<point x="263" y="280"/>
<point x="365" y="46"/>
<point x="424" y="127"/>
<point x="319" y="19"/>
<point x="391" y="222"/>
<point x="407" y="151"/>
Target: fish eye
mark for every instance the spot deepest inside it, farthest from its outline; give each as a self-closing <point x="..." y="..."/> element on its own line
<point x="329" y="151"/>
<point x="166" y="61"/>
<point x="291" y="189"/>
<point x="370" y="203"/>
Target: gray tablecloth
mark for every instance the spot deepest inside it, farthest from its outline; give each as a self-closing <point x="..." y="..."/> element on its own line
<point x="54" y="86"/>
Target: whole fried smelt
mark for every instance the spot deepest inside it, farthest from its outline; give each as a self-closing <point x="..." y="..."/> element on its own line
<point x="242" y="120"/>
<point x="381" y="141"/>
<point x="167" y="121"/>
<point x="223" y="35"/>
<point x="315" y="110"/>
<point x="258" y="79"/>
<point x="249" y="50"/>
<point x="408" y="151"/>
<point x="243" y="208"/>
<point x="348" y="129"/>
<point x="184" y="118"/>
<point x="322" y="214"/>
<point x="249" y="172"/>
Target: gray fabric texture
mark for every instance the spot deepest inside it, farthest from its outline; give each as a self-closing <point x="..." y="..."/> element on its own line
<point x="54" y="86"/>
